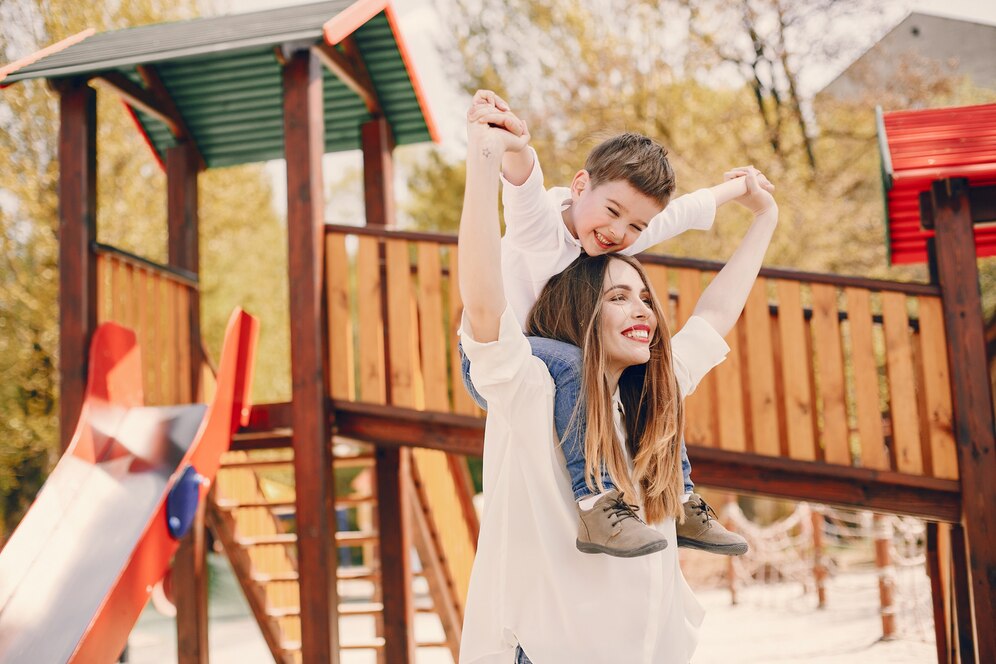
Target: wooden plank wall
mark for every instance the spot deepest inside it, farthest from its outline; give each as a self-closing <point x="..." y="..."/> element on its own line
<point x="417" y="367"/>
<point x="842" y="373"/>
<point x="154" y="304"/>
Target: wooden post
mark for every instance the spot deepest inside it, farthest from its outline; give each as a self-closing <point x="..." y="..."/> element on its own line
<point x="886" y="575"/>
<point x="190" y="562"/>
<point x="393" y="466"/>
<point x="731" y="568"/>
<point x="819" y="569"/>
<point x="77" y="262"/>
<point x="958" y="278"/>
<point x="378" y="173"/>
<point x="935" y="570"/>
<point x="395" y="530"/>
<point x="304" y="144"/>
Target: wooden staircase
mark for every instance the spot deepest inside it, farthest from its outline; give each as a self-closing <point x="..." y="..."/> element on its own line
<point x="252" y="511"/>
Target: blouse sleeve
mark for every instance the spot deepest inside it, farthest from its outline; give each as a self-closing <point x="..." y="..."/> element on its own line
<point x="497" y="367"/>
<point x="695" y="350"/>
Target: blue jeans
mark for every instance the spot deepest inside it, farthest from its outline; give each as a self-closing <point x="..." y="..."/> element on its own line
<point x="520" y="656"/>
<point x="564" y="362"/>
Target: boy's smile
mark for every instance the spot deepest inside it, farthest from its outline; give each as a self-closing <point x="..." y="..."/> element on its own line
<point x="608" y="217"/>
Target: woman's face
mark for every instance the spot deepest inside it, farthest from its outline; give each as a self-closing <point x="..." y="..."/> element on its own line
<point x="628" y="323"/>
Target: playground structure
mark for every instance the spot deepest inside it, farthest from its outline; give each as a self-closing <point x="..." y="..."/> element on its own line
<point x="846" y="391"/>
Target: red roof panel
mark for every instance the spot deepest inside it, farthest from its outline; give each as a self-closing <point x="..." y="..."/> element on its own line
<point x="921" y="146"/>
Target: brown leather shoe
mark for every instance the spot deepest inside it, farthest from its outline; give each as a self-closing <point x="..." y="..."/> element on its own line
<point x="703" y="531"/>
<point x="612" y="527"/>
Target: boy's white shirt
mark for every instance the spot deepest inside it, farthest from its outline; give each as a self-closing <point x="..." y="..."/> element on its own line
<point x="537" y="244"/>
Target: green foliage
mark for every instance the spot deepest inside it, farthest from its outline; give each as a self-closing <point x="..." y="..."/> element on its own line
<point x="243" y="244"/>
<point x="721" y="97"/>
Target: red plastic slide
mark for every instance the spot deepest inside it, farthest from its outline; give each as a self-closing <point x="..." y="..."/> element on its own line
<point x="78" y="570"/>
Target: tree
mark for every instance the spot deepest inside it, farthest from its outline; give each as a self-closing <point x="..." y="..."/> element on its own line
<point x="243" y="254"/>
<point x="719" y="85"/>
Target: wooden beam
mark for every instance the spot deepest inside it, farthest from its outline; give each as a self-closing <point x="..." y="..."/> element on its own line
<point x="154" y="84"/>
<point x="392" y="426"/>
<point x="394" y="527"/>
<point x="981" y="199"/>
<point x="864" y="488"/>
<point x="140" y="98"/>
<point x="958" y="278"/>
<point x="77" y="262"/>
<point x="317" y="560"/>
<point x="190" y="562"/>
<point x="351" y="73"/>
<point x="883" y="491"/>
<point x="378" y="173"/>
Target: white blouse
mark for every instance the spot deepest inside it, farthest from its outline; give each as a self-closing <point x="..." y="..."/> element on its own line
<point x="530" y="585"/>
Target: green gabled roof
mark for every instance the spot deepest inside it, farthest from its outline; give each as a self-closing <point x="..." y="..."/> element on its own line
<point x="224" y="76"/>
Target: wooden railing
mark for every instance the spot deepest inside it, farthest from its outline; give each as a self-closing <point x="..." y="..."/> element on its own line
<point x="154" y="301"/>
<point x="392" y="313"/>
<point x="823" y="368"/>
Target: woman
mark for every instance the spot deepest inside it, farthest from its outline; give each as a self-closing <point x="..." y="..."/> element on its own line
<point x="532" y="593"/>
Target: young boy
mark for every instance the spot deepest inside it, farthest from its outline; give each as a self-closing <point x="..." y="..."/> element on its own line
<point x="619" y="202"/>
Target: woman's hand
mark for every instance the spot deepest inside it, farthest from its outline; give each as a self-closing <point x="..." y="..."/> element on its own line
<point x="492" y="129"/>
<point x="757" y="198"/>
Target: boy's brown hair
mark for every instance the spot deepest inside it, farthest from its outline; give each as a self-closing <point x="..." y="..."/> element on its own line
<point x="638" y="160"/>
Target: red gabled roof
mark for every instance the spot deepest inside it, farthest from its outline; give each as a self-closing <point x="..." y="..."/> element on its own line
<point x="920" y="146"/>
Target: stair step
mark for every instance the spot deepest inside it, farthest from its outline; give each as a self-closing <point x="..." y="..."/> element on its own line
<point x="342" y="573"/>
<point x="357" y="461"/>
<point x="348" y="609"/>
<point x="342" y="538"/>
<point x="372" y="644"/>
<point x="349" y="501"/>
<point x="263" y="440"/>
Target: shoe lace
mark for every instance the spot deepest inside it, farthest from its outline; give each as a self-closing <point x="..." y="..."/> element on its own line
<point x="622" y="510"/>
<point x="703" y="509"/>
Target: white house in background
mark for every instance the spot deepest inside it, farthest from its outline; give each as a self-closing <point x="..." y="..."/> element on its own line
<point x="964" y="47"/>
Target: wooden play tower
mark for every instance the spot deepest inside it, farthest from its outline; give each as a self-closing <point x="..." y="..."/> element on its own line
<point x="849" y="391"/>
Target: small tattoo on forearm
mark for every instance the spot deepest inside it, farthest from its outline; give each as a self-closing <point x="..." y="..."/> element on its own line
<point x="486" y="152"/>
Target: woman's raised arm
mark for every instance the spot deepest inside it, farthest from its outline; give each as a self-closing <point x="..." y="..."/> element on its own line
<point x="490" y="133"/>
<point x="723" y="300"/>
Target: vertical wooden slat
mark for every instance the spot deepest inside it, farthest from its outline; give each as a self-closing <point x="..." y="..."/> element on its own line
<point x="395" y="531"/>
<point x="866" y="395"/>
<point x="372" y="386"/>
<point x="401" y="332"/>
<point x="830" y="362"/>
<point x="341" y="369"/>
<point x="795" y="374"/>
<point x="169" y="350"/>
<point x="433" y="344"/>
<point x="657" y="274"/>
<point x="699" y="407"/>
<point x="936" y="389"/>
<point x="902" y="384"/>
<point x="154" y="359"/>
<point x="730" y="397"/>
<point x="77" y="232"/>
<point x="761" y="371"/>
<point x="463" y="403"/>
<point x="304" y="144"/>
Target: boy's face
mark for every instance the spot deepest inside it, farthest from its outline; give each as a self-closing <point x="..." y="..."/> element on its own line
<point x="609" y="217"/>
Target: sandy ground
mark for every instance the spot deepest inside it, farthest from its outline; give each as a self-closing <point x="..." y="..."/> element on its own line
<point x="771" y="624"/>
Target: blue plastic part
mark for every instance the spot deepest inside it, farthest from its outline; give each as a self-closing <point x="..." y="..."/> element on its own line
<point x="181" y="503"/>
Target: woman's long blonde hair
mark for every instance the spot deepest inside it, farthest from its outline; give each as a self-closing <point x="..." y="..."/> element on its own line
<point x="569" y="310"/>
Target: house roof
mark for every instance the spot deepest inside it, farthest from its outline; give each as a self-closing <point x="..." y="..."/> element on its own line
<point x="224" y="76"/>
<point x="920" y="146"/>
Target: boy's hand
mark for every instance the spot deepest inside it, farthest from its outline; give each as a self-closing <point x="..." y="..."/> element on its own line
<point x="757" y="198"/>
<point x="492" y="130"/>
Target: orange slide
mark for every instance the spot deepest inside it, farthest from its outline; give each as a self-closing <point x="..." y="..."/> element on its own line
<point x="78" y="570"/>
